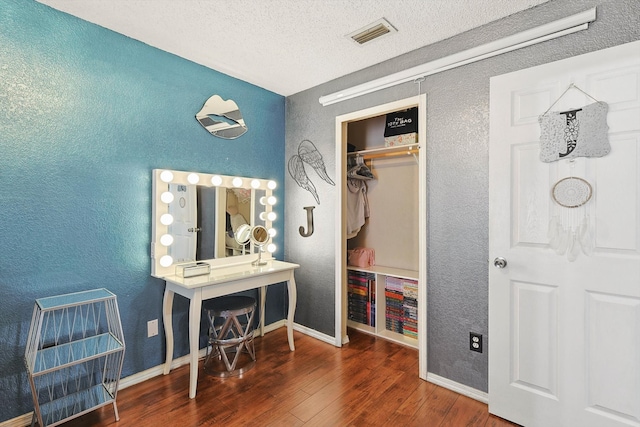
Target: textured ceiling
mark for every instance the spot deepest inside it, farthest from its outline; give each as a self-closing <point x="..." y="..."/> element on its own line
<point x="287" y="46"/>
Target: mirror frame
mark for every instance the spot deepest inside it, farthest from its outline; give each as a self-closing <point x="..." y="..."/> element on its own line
<point x="162" y="177"/>
<point x="244" y="229"/>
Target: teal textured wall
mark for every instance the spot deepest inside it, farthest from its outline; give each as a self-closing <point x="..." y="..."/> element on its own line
<point x="85" y="114"/>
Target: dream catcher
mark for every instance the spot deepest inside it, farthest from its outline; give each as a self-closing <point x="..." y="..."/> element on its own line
<point x="569" y="228"/>
<point x="578" y="132"/>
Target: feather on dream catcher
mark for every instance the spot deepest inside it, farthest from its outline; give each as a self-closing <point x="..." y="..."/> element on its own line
<point x="569" y="228"/>
<point x="581" y="132"/>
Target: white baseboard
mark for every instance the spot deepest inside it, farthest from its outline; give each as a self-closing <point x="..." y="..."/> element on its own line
<point x="156" y="371"/>
<point x="462" y="389"/>
<point x="314" y="334"/>
<point x="21" y="421"/>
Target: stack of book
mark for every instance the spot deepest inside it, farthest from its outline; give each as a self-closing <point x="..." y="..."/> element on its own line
<point x="401" y="311"/>
<point x="361" y="297"/>
<point x="410" y="305"/>
<point x="394" y="309"/>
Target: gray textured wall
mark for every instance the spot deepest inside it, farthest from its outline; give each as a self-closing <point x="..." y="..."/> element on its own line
<point x="457" y="176"/>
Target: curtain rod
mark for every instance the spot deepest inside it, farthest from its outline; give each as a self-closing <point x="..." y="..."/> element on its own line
<point x="549" y="31"/>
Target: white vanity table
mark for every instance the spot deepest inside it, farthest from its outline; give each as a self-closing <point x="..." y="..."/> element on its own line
<point x="191" y="212"/>
<point x="221" y="281"/>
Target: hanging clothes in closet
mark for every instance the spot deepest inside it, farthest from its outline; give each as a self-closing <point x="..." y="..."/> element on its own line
<point x="357" y="204"/>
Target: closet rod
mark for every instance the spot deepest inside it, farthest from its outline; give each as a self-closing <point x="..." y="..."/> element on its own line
<point x="413" y="151"/>
<point x="376" y="153"/>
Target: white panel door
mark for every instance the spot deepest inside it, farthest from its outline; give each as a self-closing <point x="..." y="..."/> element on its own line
<point x="185" y="222"/>
<point x="564" y="336"/>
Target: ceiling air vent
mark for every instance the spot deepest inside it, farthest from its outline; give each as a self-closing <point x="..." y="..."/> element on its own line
<point x="372" y="31"/>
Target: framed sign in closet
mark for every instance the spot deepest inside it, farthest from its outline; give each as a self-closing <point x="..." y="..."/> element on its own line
<point x="387" y="299"/>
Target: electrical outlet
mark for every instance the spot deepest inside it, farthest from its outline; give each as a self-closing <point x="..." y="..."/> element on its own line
<point x="152" y="328"/>
<point x="475" y="342"/>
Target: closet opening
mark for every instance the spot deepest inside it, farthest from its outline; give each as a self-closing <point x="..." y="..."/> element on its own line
<point x="381" y="238"/>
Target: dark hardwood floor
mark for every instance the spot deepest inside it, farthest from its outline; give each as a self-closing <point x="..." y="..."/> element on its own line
<point x="368" y="382"/>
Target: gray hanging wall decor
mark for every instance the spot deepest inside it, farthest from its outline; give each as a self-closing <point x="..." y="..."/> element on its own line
<point x="567" y="135"/>
<point x="222" y="118"/>
<point x="309" y="231"/>
<point x="579" y="132"/>
<point x="309" y="154"/>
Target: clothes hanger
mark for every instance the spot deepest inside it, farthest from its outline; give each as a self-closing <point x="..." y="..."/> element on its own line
<point x="571" y="86"/>
<point x="360" y="170"/>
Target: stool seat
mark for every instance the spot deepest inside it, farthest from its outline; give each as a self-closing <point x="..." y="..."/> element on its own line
<point x="230" y="335"/>
<point x="220" y="306"/>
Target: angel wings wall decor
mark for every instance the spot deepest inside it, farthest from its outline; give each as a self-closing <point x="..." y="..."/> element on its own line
<point x="309" y="154"/>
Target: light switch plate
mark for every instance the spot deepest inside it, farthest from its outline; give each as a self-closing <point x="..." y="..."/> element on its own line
<point x="152" y="328"/>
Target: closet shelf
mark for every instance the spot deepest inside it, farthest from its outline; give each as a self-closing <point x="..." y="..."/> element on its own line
<point x="374" y="153"/>
<point x="382" y="301"/>
<point x="387" y="271"/>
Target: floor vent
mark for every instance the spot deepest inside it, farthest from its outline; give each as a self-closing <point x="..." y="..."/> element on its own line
<point x="372" y="31"/>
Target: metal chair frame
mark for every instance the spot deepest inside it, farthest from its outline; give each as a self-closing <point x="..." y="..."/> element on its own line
<point x="229" y="338"/>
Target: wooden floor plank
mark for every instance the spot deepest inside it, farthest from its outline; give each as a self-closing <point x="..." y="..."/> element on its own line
<point x="466" y="412"/>
<point x="328" y="394"/>
<point x="434" y="409"/>
<point x="494" y="421"/>
<point x="389" y="400"/>
<point x="414" y="401"/>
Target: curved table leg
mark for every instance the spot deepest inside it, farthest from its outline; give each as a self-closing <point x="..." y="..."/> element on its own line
<point x="195" y="311"/>
<point x="167" y="307"/>
<point x="263" y="297"/>
<point x="293" y="297"/>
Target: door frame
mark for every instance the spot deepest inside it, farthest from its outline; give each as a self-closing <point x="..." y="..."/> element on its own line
<point x="342" y="122"/>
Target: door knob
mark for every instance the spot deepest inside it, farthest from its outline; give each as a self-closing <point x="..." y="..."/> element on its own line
<point x="500" y="262"/>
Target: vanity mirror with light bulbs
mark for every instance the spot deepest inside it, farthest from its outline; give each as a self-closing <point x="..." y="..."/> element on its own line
<point x="212" y="218"/>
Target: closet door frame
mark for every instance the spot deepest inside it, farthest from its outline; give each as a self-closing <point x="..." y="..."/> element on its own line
<point x="342" y="123"/>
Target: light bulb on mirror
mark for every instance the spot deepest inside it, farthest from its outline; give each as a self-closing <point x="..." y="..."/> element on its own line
<point x="255" y="184"/>
<point x="216" y="180"/>
<point x="193" y="178"/>
<point x="166" y="219"/>
<point x="166" y="239"/>
<point x="271" y="216"/>
<point x="166" y="261"/>
<point x="271" y="248"/>
<point x="166" y="176"/>
<point x="237" y="182"/>
<point x="272" y="232"/>
<point x="271" y="185"/>
<point x="263" y="216"/>
<point x="271" y="200"/>
<point x="263" y="201"/>
<point x="166" y="197"/>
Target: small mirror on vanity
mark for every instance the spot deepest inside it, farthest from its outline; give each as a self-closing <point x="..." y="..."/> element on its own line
<point x="259" y="237"/>
<point x="243" y="235"/>
<point x="203" y="217"/>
